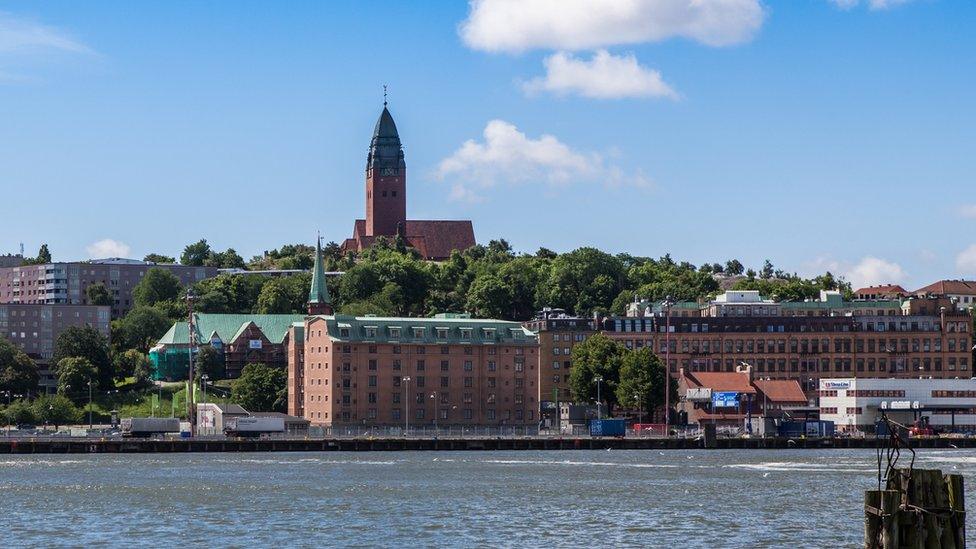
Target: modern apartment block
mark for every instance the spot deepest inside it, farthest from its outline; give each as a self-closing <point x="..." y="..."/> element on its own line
<point x="35" y="328"/>
<point x="65" y="283"/>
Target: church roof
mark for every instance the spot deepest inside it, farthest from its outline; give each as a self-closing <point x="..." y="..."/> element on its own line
<point x="434" y="239"/>
<point x="319" y="292"/>
<point x="385" y="127"/>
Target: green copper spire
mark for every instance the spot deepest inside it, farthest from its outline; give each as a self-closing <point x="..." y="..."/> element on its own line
<point x="318" y="295"/>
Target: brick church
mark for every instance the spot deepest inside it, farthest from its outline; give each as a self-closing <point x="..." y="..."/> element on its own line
<point x="386" y="203"/>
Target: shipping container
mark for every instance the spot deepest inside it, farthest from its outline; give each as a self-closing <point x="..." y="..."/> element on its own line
<point x="147" y="426"/>
<point x="254" y="426"/>
<point x="607" y="427"/>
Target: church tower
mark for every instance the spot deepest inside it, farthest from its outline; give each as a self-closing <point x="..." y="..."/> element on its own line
<point x="319" y="302"/>
<point x="386" y="179"/>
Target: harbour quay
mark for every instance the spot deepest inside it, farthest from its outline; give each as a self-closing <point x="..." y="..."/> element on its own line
<point x="178" y="445"/>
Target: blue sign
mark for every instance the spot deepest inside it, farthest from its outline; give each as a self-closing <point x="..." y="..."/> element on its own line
<point x="725" y="399"/>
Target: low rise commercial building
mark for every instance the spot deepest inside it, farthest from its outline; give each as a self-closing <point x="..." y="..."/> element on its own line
<point x="35" y="328"/>
<point x="732" y="398"/>
<point x="66" y="283"/>
<point x="856" y="404"/>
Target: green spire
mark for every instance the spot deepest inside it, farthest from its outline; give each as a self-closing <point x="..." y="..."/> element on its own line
<point x="319" y="293"/>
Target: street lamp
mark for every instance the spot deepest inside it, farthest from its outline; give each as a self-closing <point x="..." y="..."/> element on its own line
<point x="433" y="396"/>
<point x="640" y="408"/>
<point x="667" y="303"/>
<point x="406" y="416"/>
<point x="203" y="380"/>
<point x="599" y="408"/>
<point x="89" y="404"/>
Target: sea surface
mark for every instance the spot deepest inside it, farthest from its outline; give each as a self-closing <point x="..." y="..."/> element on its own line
<point x="776" y="498"/>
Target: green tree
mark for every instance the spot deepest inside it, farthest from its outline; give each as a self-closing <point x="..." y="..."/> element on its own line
<point x="159" y="258"/>
<point x="229" y="259"/>
<point x="196" y="254"/>
<point x="158" y="285"/>
<point x="489" y="297"/>
<point x="140" y="329"/>
<point x="733" y="267"/>
<point x="642" y="381"/>
<point x="19" y="412"/>
<point x="228" y="293"/>
<point x="132" y="363"/>
<point x="43" y="255"/>
<point x="74" y="373"/>
<point x="260" y="388"/>
<point x="597" y="356"/>
<point x="97" y="294"/>
<point x="209" y="361"/>
<point x="56" y="410"/>
<point x="18" y="373"/>
<point x="86" y="342"/>
<point x="767" y="270"/>
<point x="584" y="280"/>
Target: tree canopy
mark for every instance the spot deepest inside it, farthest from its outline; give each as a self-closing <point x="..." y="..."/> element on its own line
<point x="97" y="294"/>
<point x="158" y="285"/>
<point x="86" y="342"/>
<point x="18" y="373"/>
<point x="599" y="356"/>
<point x="74" y="374"/>
<point x="261" y="388"/>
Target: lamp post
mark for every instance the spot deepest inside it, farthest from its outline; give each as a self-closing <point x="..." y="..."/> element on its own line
<point x="203" y="381"/>
<point x="599" y="407"/>
<point x="89" y="404"/>
<point x="406" y="416"/>
<point x="640" y="408"/>
<point x="667" y="365"/>
<point x="437" y="408"/>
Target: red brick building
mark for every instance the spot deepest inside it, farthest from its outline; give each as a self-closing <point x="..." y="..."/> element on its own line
<point x="386" y="203"/>
<point x="441" y="371"/>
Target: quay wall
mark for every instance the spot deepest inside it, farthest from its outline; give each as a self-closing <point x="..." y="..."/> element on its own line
<point x="135" y="446"/>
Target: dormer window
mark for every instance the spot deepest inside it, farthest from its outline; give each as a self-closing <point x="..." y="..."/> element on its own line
<point x="418" y="333"/>
<point x="441" y="333"/>
<point x="395" y="332"/>
<point x="465" y="333"/>
<point x="370" y="332"/>
<point x="343" y="332"/>
<point x="489" y="333"/>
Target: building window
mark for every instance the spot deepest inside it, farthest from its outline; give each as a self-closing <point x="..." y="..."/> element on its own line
<point x="372" y="364"/>
<point x="445" y="365"/>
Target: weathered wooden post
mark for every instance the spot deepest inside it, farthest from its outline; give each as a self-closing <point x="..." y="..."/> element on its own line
<point x="921" y="508"/>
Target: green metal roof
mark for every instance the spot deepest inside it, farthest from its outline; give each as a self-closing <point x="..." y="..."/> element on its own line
<point x="841" y="304"/>
<point x="319" y="292"/>
<point x="229" y="326"/>
<point x="455" y="329"/>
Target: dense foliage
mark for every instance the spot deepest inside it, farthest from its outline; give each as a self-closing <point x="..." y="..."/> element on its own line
<point x="18" y="373"/>
<point x="261" y="388"/>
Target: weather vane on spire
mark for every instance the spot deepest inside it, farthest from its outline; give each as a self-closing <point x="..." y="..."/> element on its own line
<point x="384" y="95"/>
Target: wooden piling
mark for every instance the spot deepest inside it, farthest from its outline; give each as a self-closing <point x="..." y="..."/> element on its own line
<point x="921" y="508"/>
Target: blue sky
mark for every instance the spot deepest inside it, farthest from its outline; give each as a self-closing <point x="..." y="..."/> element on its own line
<point x="816" y="133"/>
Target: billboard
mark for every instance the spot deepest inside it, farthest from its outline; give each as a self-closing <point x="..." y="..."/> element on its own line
<point x="254" y="344"/>
<point x="725" y="399"/>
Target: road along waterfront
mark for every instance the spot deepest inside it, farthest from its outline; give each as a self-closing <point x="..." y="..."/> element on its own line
<point x="696" y="498"/>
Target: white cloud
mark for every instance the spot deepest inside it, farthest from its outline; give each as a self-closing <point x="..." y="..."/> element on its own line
<point x="871" y="271"/>
<point x="968" y="210"/>
<point x="21" y="35"/>
<point x="518" y="25"/>
<point x="509" y="156"/>
<point x="872" y="4"/>
<point x="107" y="248"/>
<point x="966" y="260"/>
<point x="605" y="76"/>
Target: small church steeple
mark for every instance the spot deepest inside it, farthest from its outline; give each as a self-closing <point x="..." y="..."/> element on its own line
<point x="319" y="302"/>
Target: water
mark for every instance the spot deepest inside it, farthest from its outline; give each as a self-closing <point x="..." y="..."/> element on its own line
<point x="774" y="498"/>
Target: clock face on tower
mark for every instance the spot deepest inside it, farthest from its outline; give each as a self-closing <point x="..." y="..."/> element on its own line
<point x="388" y="171"/>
